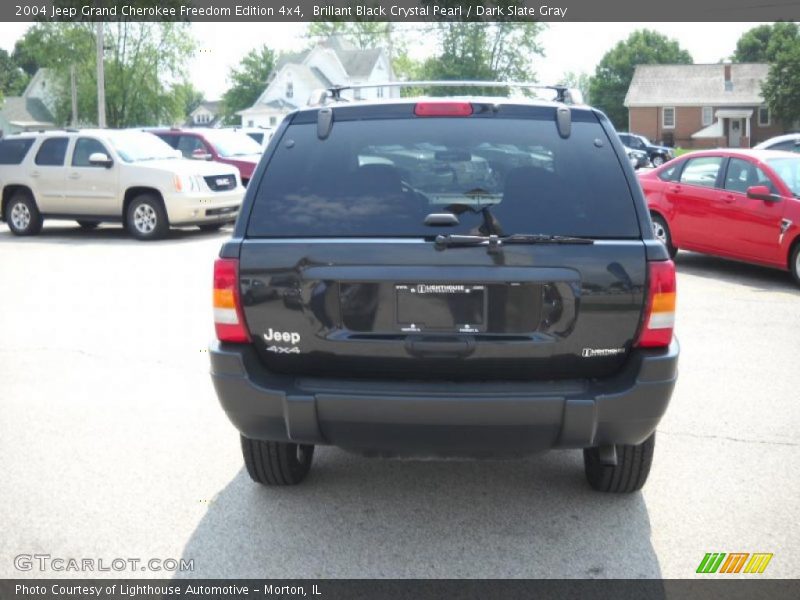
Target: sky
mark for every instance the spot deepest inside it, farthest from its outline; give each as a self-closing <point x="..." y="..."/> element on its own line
<point x="575" y="47"/>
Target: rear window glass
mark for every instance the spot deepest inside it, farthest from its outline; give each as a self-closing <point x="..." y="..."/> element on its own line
<point x="12" y="152"/>
<point x="383" y="177"/>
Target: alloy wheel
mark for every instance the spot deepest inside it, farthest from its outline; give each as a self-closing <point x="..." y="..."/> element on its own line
<point x="145" y="218"/>
<point x="20" y="216"/>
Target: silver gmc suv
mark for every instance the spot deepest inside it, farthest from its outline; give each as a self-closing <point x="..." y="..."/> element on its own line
<point x="128" y="177"/>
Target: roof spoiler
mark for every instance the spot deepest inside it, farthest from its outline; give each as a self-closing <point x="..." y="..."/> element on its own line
<point x="563" y="93"/>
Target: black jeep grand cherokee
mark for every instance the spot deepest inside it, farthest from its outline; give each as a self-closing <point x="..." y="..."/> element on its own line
<point x="463" y="276"/>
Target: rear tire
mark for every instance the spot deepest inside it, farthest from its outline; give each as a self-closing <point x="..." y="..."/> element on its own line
<point x="276" y="463"/>
<point x="628" y="475"/>
<point x="22" y="214"/>
<point x="146" y="218"/>
<point x="88" y="225"/>
<point x="794" y="263"/>
<point x="662" y="234"/>
<point x="658" y="160"/>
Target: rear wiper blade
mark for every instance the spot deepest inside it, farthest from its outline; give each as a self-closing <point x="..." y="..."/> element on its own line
<point x="540" y="238"/>
<point x="495" y="241"/>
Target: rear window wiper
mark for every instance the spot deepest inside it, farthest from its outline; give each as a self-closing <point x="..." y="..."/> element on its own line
<point x="494" y="242"/>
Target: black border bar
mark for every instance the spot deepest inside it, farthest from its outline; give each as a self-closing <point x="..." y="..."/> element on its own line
<point x="400" y="10"/>
<point x="712" y="587"/>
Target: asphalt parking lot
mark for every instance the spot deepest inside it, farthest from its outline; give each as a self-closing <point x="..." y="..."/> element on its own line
<point x="112" y="444"/>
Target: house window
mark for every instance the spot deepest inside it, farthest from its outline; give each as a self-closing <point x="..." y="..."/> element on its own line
<point x="708" y="115"/>
<point x="273" y="121"/>
<point x="357" y="93"/>
<point x="289" y="89"/>
<point x="668" y="117"/>
<point x="763" y="116"/>
<point x="380" y="92"/>
<point x="250" y="123"/>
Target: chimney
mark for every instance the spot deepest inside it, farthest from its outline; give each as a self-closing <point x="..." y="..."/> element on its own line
<point x="728" y="82"/>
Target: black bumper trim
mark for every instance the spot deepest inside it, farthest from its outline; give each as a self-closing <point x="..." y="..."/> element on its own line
<point x="437" y="416"/>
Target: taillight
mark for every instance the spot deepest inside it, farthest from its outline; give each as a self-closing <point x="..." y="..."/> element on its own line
<point x="443" y="109"/>
<point x="228" y="316"/>
<point x="659" y="317"/>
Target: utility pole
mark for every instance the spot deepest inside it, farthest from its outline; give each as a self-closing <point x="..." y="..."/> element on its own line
<point x="74" y="90"/>
<point x="101" y="79"/>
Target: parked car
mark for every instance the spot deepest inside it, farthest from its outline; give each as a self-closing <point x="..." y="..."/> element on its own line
<point x="221" y="145"/>
<point x="372" y="299"/>
<point x="658" y="155"/>
<point x="96" y="176"/>
<point x="260" y="135"/>
<point x="738" y="204"/>
<point x="789" y="142"/>
<point x="637" y="158"/>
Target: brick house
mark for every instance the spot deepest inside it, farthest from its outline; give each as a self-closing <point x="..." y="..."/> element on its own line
<point x="701" y="106"/>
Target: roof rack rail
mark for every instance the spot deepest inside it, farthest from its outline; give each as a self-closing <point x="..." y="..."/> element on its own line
<point x="564" y="94"/>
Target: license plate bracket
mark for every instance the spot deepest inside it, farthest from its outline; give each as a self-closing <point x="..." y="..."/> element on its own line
<point x="441" y="307"/>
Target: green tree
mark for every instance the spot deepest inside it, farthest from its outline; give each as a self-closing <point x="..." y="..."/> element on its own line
<point x="581" y="81"/>
<point x="362" y="34"/>
<point x="781" y="90"/>
<point x="615" y="70"/>
<point x="144" y="68"/>
<point x="12" y="79"/>
<point x="779" y="45"/>
<point x="27" y="50"/>
<point x="190" y="97"/>
<point x="763" y="43"/>
<point x="247" y="81"/>
<point x="500" y="51"/>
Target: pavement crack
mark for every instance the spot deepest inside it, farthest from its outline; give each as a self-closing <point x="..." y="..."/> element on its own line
<point x="728" y="438"/>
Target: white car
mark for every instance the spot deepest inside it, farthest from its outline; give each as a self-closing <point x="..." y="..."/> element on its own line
<point x="104" y="175"/>
<point x="789" y="142"/>
<point x="261" y="135"/>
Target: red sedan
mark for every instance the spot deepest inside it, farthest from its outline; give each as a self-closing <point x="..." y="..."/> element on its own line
<point x="738" y="204"/>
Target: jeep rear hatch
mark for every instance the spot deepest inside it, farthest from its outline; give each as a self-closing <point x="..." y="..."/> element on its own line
<point x="543" y="276"/>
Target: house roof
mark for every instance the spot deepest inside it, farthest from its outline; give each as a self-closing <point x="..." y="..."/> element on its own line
<point x="211" y="106"/>
<point x="41" y="73"/>
<point x="290" y="58"/>
<point x="278" y="104"/>
<point x="356" y="62"/>
<point x="359" y="63"/>
<point x="696" y="85"/>
<point x="27" y="112"/>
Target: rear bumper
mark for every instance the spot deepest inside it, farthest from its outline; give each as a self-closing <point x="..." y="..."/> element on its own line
<point x="428" y="417"/>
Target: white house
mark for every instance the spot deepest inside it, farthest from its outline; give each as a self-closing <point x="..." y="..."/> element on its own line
<point x="33" y="110"/>
<point x="205" y="115"/>
<point x="331" y="62"/>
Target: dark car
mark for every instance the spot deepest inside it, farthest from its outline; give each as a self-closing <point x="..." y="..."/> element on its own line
<point x="738" y="204"/>
<point x="658" y="155"/>
<point x="637" y="158"/>
<point x="222" y="145"/>
<point x="475" y="314"/>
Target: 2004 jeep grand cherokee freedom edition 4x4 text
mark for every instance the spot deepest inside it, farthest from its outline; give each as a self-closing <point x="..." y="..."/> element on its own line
<point x="469" y="276"/>
<point x="106" y="175"/>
